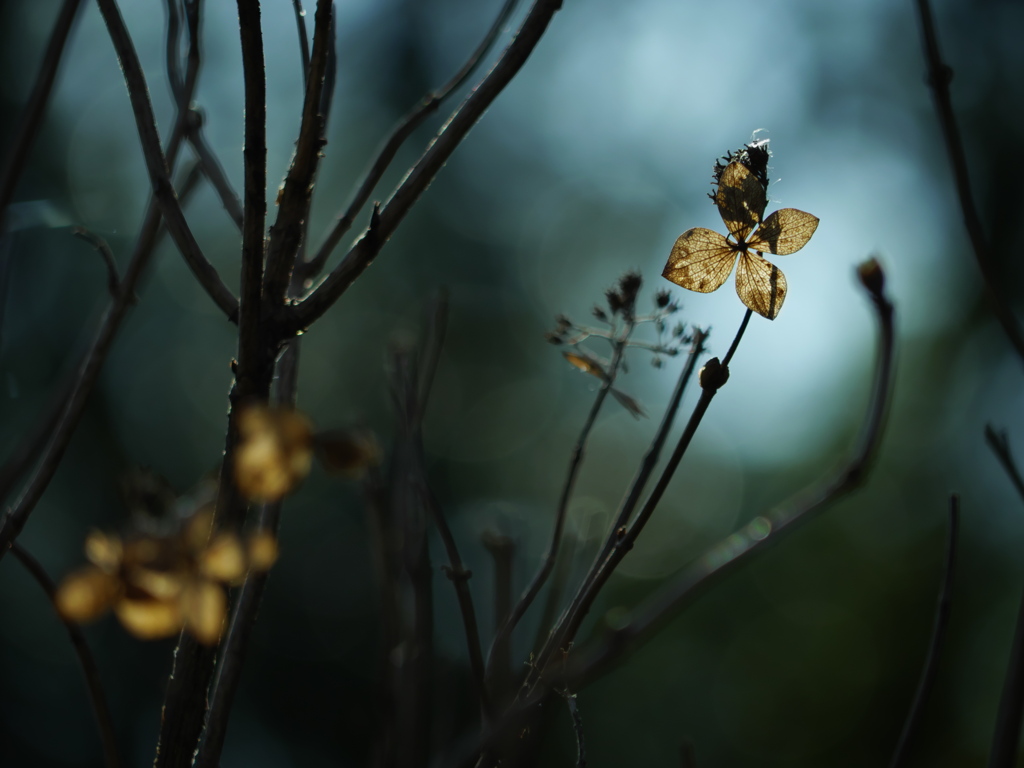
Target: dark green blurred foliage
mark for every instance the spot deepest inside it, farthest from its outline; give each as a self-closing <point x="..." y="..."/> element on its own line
<point x="809" y="656"/>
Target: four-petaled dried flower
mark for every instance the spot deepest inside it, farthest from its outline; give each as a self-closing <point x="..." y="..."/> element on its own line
<point x="274" y="453"/>
<point x="157" y="585"/>
<point x="702" y="260"/>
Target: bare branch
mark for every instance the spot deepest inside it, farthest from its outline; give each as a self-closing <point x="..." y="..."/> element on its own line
<point x="213" y="170"/>
<point x="1000" y="445"/>
<point x="760" y="533"/>
<point x="577" y="727"/>
<point x="503" y="634"/>
<point x="300" y="22"/>
<point x="28" y="129"/>
<point x="444" y="144"/>
<point x="56" y="440"/>
<point x="286" y="233"/>
<point x="427" y="106"/>
<point x="97" y="697"/>
<point x="156" y="163"/>
<point x="103" y="249"/>
<point x="938" y="638"/>
<point x="939" y="77"/>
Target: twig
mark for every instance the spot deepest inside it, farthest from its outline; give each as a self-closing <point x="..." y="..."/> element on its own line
<point x="501" y="549"/>
<point x="939" y="77"/>
<point x="213" y="170"/>
<point x="286" y="233"/>
<point x="85" y="659"/>
<point x="1000" y="445"/>
<point x="28" y="129"/>
<point x="300" y="22"/>
<point x="760" y="533"/>
<point x="419" y="177"/>
<point x="103" y="248"/>
<point x="459" y="576"/>
<point x="931" y="665"/>
<point x="712" y="377"/>
<point x="575" y="462"/>
<point x="56" y="441"/>
<point x="156" y="163"/>
<point x="577" y="727"/>
<point x="1006" y="738"/>
<point x="399" y="134"/>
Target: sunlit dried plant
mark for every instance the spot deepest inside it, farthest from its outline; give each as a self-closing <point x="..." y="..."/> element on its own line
<point x="157" y="585"/>
<point x="702" y="259"/>
<point x="274" y="453"/>
<point x="620" y="315"/>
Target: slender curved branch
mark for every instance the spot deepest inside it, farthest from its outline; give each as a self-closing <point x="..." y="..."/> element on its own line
<point x="575" y="462"/>
<point x="28" y="129"/>
<point x="362" y="254"/>
<point x="939" y="77"/>
<point x="300" y="22"/>
<point x="762" y="532"/>
<point x="156" y="163"/>
<point x="85" y="659"/>
<point x="931" y="665"/>
<point x="427" y="106"/>
<point x="1006" y="738"/>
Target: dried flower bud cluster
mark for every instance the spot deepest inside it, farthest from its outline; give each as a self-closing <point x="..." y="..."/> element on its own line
<point x="158" y="585"/>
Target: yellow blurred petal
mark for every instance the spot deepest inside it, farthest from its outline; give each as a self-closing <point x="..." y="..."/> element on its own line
<point x="160" y="585"/>
<point x="760" y="285"/>
<point x="701" y="260"/>
<point x="274" y="454"/>
<point x="586" y="364"/>
<point x="740" y="199"/>
<point x="86" y="594"/>
<point x="224" y="560"/>
<point x="784" y="232"/>
<point x="198" y="528"/>
<point x="150" y="619"/>
<point x="204" y="605"/>
<point x="104" y="551"/>
<point x="262" y="550"/>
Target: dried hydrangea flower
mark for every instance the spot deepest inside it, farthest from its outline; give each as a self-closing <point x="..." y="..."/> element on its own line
<point x="702" y="259"/>
<point x="274" y="453"/>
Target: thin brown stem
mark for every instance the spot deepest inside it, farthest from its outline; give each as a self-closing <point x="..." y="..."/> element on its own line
<point x="286" y="233"/>
<point x="103" y="249"/>
<point x="931" y="665"/>
<point x="427" y="106"/>
<point x="575" y="462"/>
<point x="157" y="166"/>
<point x="759" y="534"/>
<point x="28" y="129"/>
<point x="97" y="697"/>
<point x="939" y="77"/>
<point x="300" y="22"/>
<point x="365" y="250"/>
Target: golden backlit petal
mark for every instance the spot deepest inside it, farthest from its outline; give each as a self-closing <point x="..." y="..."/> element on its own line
<point x="701" y="260"/>
<point x="586" y="364"/>
<point x="86" y="594"/>
<point x="204" y="605"/>
<point x="262" y="551"/>
<point x="740" y="199"/>
<point x="158" y="584"/>
<point x="784" y="232"/>
<point x="274" y="453"/>
<point x="760" y="285"/>
<point x="104" y="550"/>
<point x="198" y="529"/>
<point x="150" y="619"/>
<point x="224" y="559"/>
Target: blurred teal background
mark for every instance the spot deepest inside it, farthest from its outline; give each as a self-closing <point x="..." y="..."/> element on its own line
<point x="592" y="162"/>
